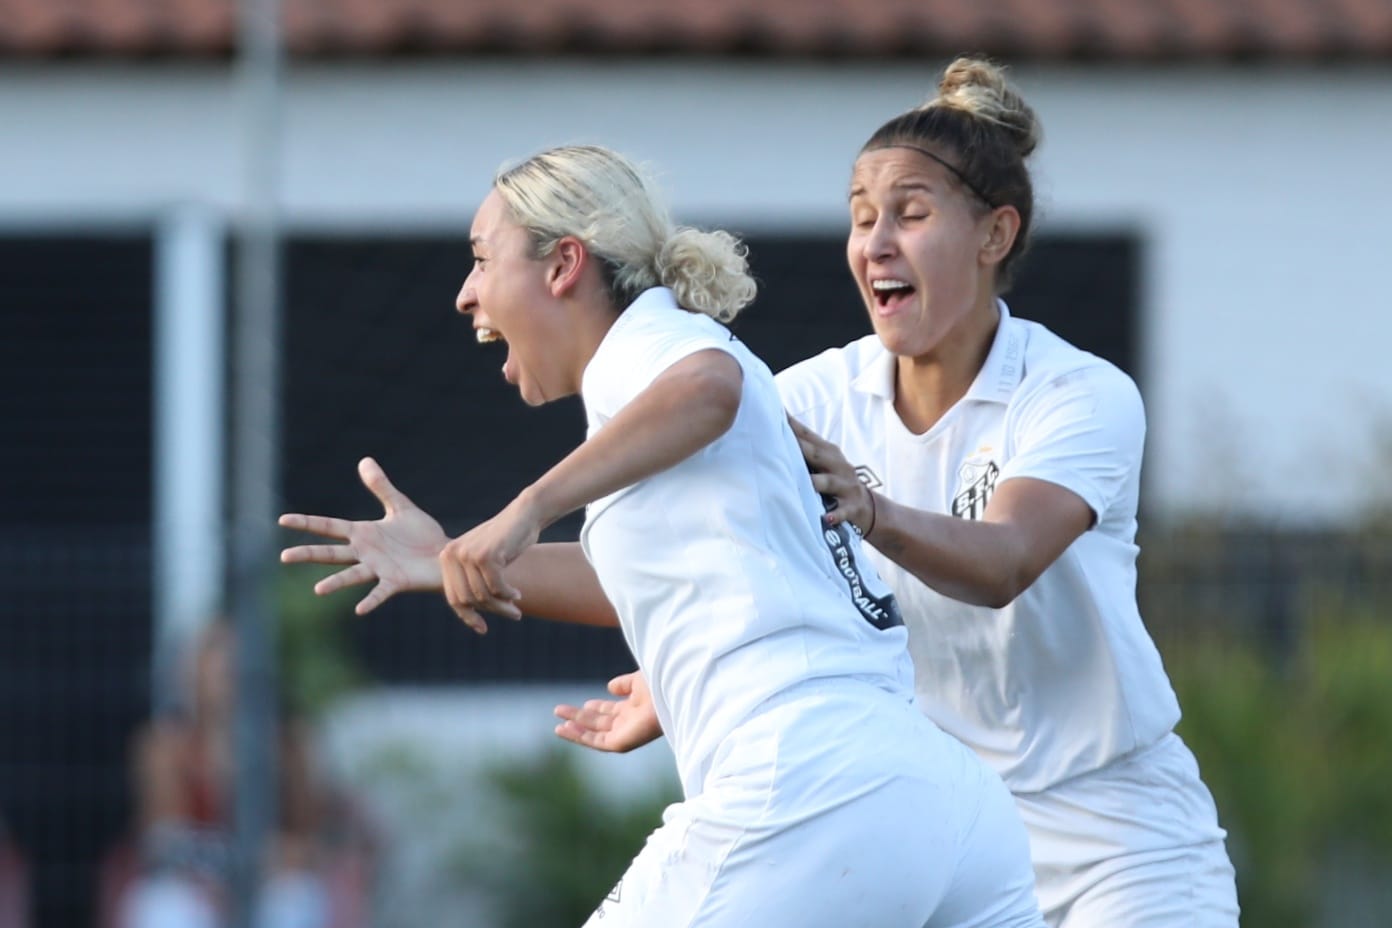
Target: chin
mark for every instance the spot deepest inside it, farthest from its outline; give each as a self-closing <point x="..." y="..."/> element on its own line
<point x="907" y="338"/>
<point x="895" y="342"/>
<point x="534" y="394"/>
<point x="906" y="347"/>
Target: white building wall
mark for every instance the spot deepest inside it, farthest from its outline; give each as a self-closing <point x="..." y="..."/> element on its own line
<point x="1261" y="195"/>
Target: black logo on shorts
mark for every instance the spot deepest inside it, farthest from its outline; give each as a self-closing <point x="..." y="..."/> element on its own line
<point x="978" y="480"/>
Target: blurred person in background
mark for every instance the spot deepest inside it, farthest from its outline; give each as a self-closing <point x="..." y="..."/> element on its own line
<point x="995" y="470"/>
<point x="815" y="794"/>
<point x="177" y="872"/>
<point x="14" y="882"/>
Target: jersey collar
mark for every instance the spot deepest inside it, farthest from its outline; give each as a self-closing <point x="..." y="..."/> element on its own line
<point x="653" y="298"/>
<point x="995" y="382"/>
<point x="1005" y="363"/>
<point x="650" y="300"/>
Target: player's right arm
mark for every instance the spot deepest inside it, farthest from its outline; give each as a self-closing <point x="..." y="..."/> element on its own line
<point x="401" y="552"/>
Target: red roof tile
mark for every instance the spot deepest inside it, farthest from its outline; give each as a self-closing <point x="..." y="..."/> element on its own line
<point x="1041" y="29"/>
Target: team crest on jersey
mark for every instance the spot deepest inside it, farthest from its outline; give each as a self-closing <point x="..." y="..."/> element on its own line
<point x="976" y="481"/>
<point x="868" y="477"/>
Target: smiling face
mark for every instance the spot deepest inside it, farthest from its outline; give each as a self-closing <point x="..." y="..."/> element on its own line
<point x="922" y="251"/>
<point x="509" y="294"/>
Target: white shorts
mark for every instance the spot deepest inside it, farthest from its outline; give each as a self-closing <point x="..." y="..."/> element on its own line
<point x="835" y="806"/>
<point x="1133" y="845"/>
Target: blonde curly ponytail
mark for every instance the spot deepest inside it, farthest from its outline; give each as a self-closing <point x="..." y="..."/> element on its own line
<point x="707" y="271"/>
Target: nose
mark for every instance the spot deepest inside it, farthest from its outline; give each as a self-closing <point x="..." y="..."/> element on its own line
<point x="879" y="243"/>
<point x="466" y="302"/>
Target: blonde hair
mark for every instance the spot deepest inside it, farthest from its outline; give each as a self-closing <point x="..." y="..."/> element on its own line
<point x="980" y="128"/>
<point x="605" y="201"/>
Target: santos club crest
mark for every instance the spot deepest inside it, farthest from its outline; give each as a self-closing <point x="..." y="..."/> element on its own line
<point x="976" y="481"/>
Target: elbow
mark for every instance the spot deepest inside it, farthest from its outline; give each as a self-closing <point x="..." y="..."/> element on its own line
<point x="720" y="403"/>
<point x="999" y="595"/>
<point x="726" y="407"/>
<point x="994" y="591"/>
<point x="1001" y="578"/>
<point x="1006" y="585"/>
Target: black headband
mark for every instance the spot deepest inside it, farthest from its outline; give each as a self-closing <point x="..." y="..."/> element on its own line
<point x="947" y="164"/>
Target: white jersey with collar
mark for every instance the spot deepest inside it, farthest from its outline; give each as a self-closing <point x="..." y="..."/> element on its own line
<point x="725" y="588"/>
<point x="1065" y="678"/>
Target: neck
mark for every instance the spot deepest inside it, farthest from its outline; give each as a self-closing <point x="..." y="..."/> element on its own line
<point x="926" y="387"/>
<point x="596" y="317"/>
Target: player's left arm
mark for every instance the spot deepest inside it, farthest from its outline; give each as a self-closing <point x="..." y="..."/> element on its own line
<point x="686" y="407"/>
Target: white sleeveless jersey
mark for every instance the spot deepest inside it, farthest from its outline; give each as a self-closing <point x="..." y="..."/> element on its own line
<point x="1065" y="678"/>
<point x="728" y="589"/>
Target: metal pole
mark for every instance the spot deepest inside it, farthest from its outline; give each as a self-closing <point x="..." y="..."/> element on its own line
<point x="256" y="453"/>
<point x="190" y="358"/>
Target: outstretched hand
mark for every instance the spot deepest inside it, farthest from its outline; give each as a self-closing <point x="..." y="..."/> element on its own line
<point x="400" y="550"/>
<point x="836" y="477"/>
<point x="617" y="725"/>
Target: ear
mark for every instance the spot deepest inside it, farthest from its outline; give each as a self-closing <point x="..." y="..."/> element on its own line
<point x="567" y="264"/>
<point x="1001" y="226"/>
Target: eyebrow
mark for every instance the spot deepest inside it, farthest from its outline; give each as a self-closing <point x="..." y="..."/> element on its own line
<point x="914" y="185"/>
<point x="911" y="186"/>
<point x="475" y="241"/>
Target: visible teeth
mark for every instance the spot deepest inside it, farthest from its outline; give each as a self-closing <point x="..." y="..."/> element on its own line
<point x="486" y="335"/>
<point x="888" y="285"/>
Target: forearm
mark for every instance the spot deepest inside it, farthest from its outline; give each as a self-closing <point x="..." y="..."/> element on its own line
<point x="558" y="583"/>
<point x="684" y="410"/>
<point x="976" y="562"/>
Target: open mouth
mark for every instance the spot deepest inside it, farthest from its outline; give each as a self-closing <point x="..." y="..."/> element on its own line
<point x="890" y="292"/>
<point x="485" y="335"/>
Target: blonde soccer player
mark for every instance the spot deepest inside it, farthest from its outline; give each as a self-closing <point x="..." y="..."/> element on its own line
<point x="815" y="793"/>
